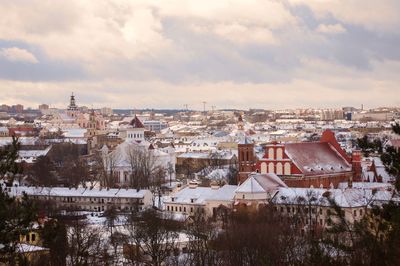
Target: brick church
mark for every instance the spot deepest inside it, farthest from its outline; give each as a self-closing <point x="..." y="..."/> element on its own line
<point x="318" y="164"/>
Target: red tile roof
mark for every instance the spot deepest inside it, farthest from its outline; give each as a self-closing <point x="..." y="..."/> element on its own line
<point x="136" y="123"/>
<point x="317" y="158"/>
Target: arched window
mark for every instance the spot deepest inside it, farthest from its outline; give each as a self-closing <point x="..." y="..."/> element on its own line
<point x="263" y="168"/>
<point x="279" y="169"/>
<point x="271" y="168"/>
<point x="287" y="169"/>
<point x="271" y="153"/>
<point x="279" y="154"/>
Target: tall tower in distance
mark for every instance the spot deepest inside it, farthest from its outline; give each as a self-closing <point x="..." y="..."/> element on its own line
<point x="240" y="123"/>
<point x="72" y="107"/>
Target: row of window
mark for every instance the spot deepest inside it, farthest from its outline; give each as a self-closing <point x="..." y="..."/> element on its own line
<point x="182" y="209"/>
<point x="135" y="135"/>
<point x="92" y="200"/>
<point x="313" y="210"/>
<point x="279" y="168"/>
<point x="30" y="237"/>
<point x="279" y="154"/>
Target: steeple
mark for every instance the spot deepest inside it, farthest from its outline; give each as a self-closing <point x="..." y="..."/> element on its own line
<point x="72" y="105"/>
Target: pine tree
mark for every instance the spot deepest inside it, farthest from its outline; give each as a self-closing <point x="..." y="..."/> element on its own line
<point x="16" y="216"/>
<point x="8" y="160"/>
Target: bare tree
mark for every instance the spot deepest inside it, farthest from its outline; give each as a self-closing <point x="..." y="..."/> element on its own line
<point x="171" y="171"/>
<point x="143" y="167"/>
<point x="150" y="233"/>
<point x="107" y="164"/>
<point x="85" y="245"/>
<point x="201" y="233"/>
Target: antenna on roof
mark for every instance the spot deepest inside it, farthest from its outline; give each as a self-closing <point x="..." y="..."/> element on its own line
<point x="204" y="106"/>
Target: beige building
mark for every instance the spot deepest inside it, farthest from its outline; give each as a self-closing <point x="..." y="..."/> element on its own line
<point x="205" y="200"/>
<point x="88" y="199"/>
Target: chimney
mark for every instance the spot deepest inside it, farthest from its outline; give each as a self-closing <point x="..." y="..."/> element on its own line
<point x="356" y="164"/>
<point x="193" y="184"/>
<point x="214" y="185"/>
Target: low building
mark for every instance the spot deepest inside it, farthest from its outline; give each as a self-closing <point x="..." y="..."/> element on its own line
<point x="88" y="199"/>
<point x="207" y="200"/>
<point x="316" y="206"/>
<point x="257" y="190"/>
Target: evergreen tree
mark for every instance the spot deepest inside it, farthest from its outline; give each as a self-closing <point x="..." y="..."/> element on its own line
<point x="8" y="160"/>
<point x="16" y="216"/>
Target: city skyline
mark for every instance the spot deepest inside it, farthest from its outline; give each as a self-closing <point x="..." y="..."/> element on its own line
<point x="231" y="54"/>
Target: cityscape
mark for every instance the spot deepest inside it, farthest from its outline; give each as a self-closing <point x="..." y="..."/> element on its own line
<point x="190" y="133"/>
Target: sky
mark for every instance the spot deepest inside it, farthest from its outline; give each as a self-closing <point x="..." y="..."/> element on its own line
<point x="270" y="54"/>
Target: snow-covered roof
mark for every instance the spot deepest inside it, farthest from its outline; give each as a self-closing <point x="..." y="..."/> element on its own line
<point x="367" y="185"/>
<point x="74" y="133"/>
<point x="200" y="195"/>
<point x="26" y="248"/>
<point x="314" y="158"/>
<point x="260" y="183"/>
<point x="78" y="192"/>
<point x="345" y="198"/>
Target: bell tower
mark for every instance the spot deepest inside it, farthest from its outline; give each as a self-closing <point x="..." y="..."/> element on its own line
<point x="246" y="159"/>
<point x="72" y="107"/>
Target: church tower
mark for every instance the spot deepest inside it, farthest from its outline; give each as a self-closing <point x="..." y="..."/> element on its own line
<point x="91" y="132"/>
<point x="135" y="131"/>
<point x="246" y="159"/>
<point x="240" y="123"/>
<point x="72" y="107"/>
<point x="92" y="126"/>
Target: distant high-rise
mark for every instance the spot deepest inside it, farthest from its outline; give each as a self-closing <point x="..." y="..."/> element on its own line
<point x="43" y="107"/>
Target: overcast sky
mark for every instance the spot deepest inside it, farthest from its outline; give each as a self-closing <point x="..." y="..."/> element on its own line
<point x="231" y="54"/>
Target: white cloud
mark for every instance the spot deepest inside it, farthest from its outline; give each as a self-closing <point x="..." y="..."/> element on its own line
<point x="15" y="54"/>
<point x="245" y="35"/>
<point x="382" y="15"/>
<point x="160" y="53"/>
<point x="331" y="28"/>
<point x="317" y="83"/>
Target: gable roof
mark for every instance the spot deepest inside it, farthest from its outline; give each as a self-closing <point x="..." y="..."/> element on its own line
<point x="136" y="123"/>
<point x="316" y="158"/>
<point x="260" y="183"/>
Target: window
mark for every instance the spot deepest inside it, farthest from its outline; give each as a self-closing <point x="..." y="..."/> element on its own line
<point x="27" y="238"/>
<point x="244" y="196"/>
<point x="271" y="168"/>
<point x="184" y="209"/>
<point x="355" y="213"/>
<point x="361" y="212"/>
<point x="167" y="208"/>
<point x="180" y="208"/>
<point x="271" y="153"/>
<point x="33" y="237"/>
<point x="279" y="169"/>
<point x="279" y="153"/>
<point x="287" y="169"/>
<point x="263" y="168"/>
<point x="191" y="209"/>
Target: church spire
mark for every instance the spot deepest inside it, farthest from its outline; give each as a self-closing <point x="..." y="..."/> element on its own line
<point x="72" y="105"/>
